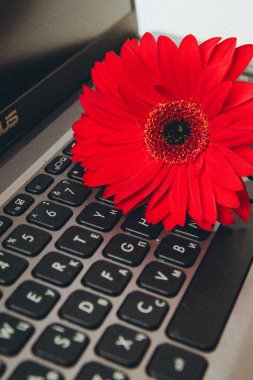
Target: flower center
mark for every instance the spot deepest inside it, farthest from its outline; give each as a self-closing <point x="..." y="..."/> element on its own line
<point x="176" y="132"/>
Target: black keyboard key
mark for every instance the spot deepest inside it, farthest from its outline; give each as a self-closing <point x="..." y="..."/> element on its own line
<point x="18" y="205"/>
<point x="98" y="371"/>
<point x="79" y="241"/>
<point x="171" y="362"/>
<point x="162" y="279"/>
<point x="126" y="249"/>
<point x="85" y="309"/>
<point x="70" y="193"/>
<point x="67" y="150"/>
<point x="58" y="165"/>
<point x="14" y="333"/>
<point x="11" y="267"/>
<point x="143" y="310"/>
<point x="61" y="345"/>
<point x="213" y="291"/>
<point x="136" y="224"/>
<point x="123" y="345"/>
<point x="192" y="231"/>
<point x="77" y="173"/>
<point x="39" y="184"/>
<point x="5" y="223"/>
<point x="100" y="217"/>
<point x="57" y="269"/>
<point x="99" y="197"/>
<point x="33" y="299"/>
<point x="30" y="370"/>
<point x="27" y="240"/>
<point x="178" y="251"/>
<point x="50" y="215"/>
<point x="2" y="367"/>
<point x="107" y="277"/>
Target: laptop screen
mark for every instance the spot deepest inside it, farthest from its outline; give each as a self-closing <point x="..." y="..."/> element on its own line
<point x="36" y="37"/>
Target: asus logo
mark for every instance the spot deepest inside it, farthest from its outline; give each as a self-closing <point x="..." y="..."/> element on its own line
<point x="10" y="121"/>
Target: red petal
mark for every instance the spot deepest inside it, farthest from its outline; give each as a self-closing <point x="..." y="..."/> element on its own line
<point x="244" y="210"/>
<point x="105" y="152"/>
<point x="219" y="122"/>
<point x="135" y="105"/>
<point x="167" y="55"/>
<point x="239" y="93"/>
<point x="133" y="44"/>
<point x="194" y="202"/>
<point x="165" y="185"/>
<point x="246" y="153"/>
<point x="120" y="157"/>
<point x="137" y="181"/>
<point x="205" y="226"/>
<point x="207" y="197"/>
<point x="245" y="116"/>
<point x="206" y="49"/>
<point x="189" y="66"/>
<point x="160" y="210"/>
<point x="224" y="51"/>
<point x="111" y="105"/>
<point x="169" y="222"/>
<point x="107" y="173"/>
<point x="103" y="79"/>
<point x="214" y="99"/>
<point x="86" y="126"/>
<point x="241" y="59"/>
<point x="144" y="192"/>
<point x="139" y="72"/>
<point x="225" y="197"/>
<point x="179" y="195"/>
<point x="209" y="77"/>
<point x="103" y="117"/>
<point x="148" y="51"/>
<point x="121" y="138"/>
<point x="225" y="215"/>
<point x="163" y="90"/>
<point x="242" y="167"/>
<point x="233" y="137"/>
<point x="116" y="67"/>
<point x="221" y="171"/>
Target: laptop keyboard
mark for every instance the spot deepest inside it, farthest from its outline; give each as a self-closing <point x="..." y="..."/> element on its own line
<point x="90" y="294"/>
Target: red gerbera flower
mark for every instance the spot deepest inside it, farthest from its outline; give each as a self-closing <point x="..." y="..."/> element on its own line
<point x="170" y="127"/>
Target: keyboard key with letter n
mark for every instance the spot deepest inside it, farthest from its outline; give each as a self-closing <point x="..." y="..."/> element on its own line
<point x="214" y="289"/>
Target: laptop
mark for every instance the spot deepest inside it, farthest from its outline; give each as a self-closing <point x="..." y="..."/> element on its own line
<point x="112" y="298"/>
